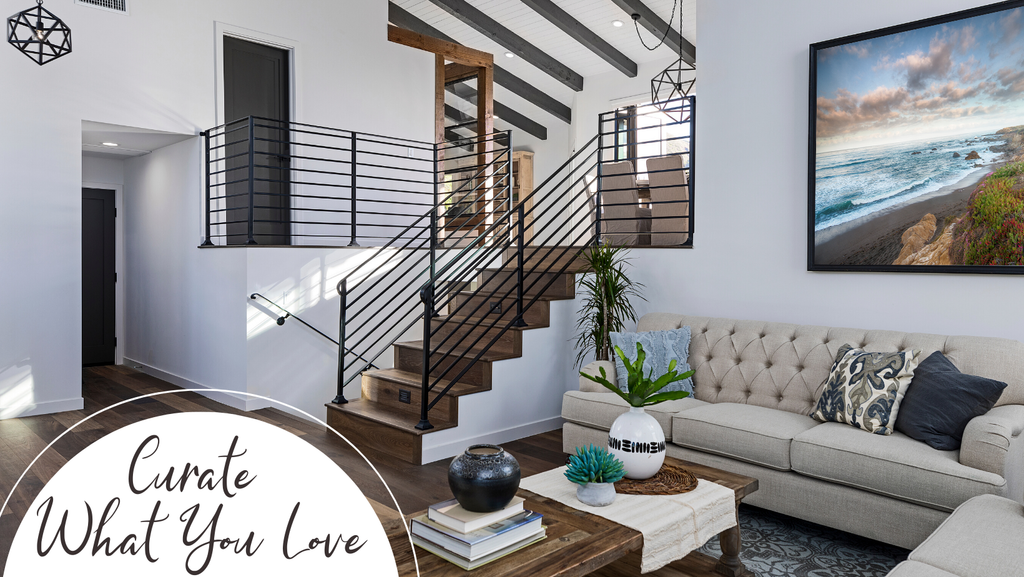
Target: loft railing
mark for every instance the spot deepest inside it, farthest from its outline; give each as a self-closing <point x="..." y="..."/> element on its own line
<point x="645" y="177"/>
<point x="270" y="182"/>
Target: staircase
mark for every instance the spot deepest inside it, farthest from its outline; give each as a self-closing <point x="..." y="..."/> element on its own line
<point x="448" y="249"/>
<point x="386" y="416"/>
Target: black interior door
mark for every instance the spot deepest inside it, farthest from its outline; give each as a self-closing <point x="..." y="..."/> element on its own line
<point x="256" y="83"/>
<point x="98" y="277"/>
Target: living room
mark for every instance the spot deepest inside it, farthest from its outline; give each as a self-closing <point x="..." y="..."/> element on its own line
<point x="187" y="313"/>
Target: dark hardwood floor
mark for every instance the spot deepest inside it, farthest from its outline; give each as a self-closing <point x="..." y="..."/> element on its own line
<point x="414" y="487"/>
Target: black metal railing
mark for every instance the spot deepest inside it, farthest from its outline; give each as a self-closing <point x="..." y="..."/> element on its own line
<point x="381" y="297"/>
<point x="270" y="182"/>
<point x="645" y="178"/>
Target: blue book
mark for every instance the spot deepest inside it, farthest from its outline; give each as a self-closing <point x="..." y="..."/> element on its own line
<point x="481" y="542"/>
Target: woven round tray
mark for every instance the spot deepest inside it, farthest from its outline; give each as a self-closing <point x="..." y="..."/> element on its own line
<point x="670" y="480"/>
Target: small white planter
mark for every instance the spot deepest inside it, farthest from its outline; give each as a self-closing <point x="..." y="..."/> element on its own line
<point x="637" y="440"/>
<point x="596" y="494"/>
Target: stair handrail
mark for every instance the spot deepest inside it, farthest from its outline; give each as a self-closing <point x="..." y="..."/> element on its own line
<point x="288" y="314"/>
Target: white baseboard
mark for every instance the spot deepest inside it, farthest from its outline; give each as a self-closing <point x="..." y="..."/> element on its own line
<point x="43" y="408"/>
<point x="453" y="448"/>
<point x="241" y="401"/>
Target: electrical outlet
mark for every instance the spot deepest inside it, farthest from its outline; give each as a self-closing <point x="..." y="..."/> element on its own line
<point x="411" y="153"/>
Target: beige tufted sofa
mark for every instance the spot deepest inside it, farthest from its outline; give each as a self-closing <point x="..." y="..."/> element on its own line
<point x="756" y="382"/>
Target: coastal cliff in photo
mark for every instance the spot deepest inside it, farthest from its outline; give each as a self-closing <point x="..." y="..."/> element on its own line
<point x="918" y="146"/>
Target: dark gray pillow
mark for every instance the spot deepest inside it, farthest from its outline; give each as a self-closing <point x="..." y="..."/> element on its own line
<point x="941" y="401"/>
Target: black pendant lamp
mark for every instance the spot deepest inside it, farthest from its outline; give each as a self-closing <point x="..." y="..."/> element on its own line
<point x="675" y="82"/>
<point x="38" y="34"/>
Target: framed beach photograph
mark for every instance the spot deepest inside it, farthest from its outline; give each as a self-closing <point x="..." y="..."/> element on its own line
<point x="916" y="146"/>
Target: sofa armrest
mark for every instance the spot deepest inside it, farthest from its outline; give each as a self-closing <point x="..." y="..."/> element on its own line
<point x="990" y="440"/>
<point x="594" y="368"/>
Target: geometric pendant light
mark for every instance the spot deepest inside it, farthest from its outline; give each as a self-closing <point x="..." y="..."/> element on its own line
<point x="39" y="34"/>
<point x="674" y="83"/>
<point x="671" y="86"/>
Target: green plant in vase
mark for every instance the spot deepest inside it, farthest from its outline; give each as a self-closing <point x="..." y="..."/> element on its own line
<point x="595" y="470"/>
<point x="636" y="438"/>
<point x="642" y="391"/>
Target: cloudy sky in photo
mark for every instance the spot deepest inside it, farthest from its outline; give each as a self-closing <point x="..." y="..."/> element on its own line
<point x="965" y="77"/>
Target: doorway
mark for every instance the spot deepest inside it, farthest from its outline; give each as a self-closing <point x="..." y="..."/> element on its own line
<point x="98" y="277"/>
<point x="257" y="84"/>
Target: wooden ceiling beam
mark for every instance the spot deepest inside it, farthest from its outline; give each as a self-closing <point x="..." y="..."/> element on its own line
<point x="450" y="50"/>
<point x="501" y="112"/>
<point x="656" y="26"/>
<point x="585" y="36"/>
<point x="402" y="18"/>
<point x="458" y="72"/>
<point x="484" y="24"/>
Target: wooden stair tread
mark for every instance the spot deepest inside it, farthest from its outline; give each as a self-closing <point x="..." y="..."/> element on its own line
<point x="399" y="420"/>
<point x="488" y="357"/>
<point x="526" y="298"/>
<point x="485" y="322"/>
<point x="414" y="381"/>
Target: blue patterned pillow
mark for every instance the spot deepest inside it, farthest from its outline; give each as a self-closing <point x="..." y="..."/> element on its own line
<point x="865" y="389"/>
<point x="660" y="349"/>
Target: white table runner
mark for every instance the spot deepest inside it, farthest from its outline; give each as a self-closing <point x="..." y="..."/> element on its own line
<point x="672" y="525"/>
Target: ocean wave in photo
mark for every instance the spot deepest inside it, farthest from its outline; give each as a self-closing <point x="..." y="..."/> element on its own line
<point x="854" y="183"/>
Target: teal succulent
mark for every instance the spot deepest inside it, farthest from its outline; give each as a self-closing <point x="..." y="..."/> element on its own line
<point x="643" y="391"/>
<point x="594" y="465"/>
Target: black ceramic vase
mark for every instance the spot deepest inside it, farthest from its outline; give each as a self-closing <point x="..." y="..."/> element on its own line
<point x="484" y="478"/>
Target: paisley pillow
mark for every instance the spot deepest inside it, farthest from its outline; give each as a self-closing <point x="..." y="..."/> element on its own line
<point x="660" y="349"/>
<point x="865" y="389"/>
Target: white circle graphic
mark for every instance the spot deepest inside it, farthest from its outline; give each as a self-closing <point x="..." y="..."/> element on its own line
<point x="200" y="494"/>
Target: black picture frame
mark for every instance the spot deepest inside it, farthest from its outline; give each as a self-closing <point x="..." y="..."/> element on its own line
<point x="815" y="50"/>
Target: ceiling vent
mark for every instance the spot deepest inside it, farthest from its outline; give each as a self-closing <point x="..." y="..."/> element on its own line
<point x="119" y="6"/>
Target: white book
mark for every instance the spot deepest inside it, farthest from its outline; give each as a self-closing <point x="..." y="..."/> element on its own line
<point x="452" y="515"/>
<point x="482" y="541"/>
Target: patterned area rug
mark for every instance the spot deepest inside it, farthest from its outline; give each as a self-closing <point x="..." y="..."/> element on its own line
<point x="776" y="545"/>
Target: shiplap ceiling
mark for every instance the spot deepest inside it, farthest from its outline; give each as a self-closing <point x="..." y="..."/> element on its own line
<point x="597" y="15"/>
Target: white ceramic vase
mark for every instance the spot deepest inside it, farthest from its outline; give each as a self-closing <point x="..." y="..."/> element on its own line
<point x="637" y="440"/>
<point x="596" y="494"/>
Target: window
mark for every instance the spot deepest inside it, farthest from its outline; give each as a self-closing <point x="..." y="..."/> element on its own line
<point x="643" y="132"/>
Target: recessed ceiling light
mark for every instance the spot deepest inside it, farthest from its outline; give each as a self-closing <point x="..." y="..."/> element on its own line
<point x="509" y="55"/>
<point x="617" y="23"/>
<point x="110" y="144"/>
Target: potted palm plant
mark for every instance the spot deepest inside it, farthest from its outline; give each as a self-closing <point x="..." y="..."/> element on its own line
<point x="606" y="307"/>
<point x="636" y="438"/>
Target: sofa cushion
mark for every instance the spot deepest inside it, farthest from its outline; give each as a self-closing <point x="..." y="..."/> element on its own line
<point x="981" y="538"/>
<point x="893" y="465"/>
<point x="941" y="401"/>
<point x="865" y="389"/>
<point x="745" y="432"/>
<point x="660" y="349"/>
<point x="599" y="410"/>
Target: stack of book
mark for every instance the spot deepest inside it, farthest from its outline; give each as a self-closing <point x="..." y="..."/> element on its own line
<point x="470" y="539"/>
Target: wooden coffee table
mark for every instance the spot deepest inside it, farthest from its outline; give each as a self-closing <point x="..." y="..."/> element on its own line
<point x="580" y="543"/>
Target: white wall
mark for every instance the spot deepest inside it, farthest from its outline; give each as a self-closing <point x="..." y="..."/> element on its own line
<point x="156" y="69"/>
<point x="185" y="308"/>
<point x="101" y="170"/>
<point x="749" y="255"/>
